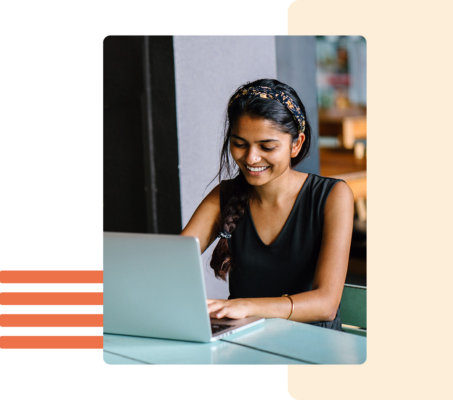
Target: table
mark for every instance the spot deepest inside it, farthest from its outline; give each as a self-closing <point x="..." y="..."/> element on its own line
<point x="347" y="124"/>
<point x="336" y="161"/>
<point x="275" y="341"/>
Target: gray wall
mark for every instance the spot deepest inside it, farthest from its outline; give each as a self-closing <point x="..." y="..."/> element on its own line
<point x="208" y="69"/>
<point x="296" y="66"/>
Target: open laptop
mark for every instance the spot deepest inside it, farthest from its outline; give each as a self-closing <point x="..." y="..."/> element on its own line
<point x="154" y="287"/>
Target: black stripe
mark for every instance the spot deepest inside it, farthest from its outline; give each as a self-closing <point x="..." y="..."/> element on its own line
<point x="50" y="331"/>
<point x="49" y="287"/>
<point x="51" y="309"/>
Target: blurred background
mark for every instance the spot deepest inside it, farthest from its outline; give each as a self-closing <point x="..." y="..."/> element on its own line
<point x="165" y="99"/>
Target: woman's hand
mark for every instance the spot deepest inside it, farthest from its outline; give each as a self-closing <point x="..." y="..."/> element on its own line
<point x="235" y="309"/>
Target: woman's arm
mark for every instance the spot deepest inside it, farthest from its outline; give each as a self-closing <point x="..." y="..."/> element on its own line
<point x="205" y="221"/>
<point x="321" y="303"/>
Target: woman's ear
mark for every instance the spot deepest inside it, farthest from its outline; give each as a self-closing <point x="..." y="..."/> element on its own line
<point x="297" y="145"/>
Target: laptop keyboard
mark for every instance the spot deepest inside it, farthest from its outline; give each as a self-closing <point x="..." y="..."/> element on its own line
<point x="215" y="328"/>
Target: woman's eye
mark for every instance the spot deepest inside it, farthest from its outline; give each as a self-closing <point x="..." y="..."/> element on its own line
<point x="241" y="146"/>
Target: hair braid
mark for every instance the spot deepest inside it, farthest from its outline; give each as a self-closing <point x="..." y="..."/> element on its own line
<point x="222" y="260"/>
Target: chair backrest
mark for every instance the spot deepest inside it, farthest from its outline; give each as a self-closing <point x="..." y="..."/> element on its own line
<point x="353" y="307"/>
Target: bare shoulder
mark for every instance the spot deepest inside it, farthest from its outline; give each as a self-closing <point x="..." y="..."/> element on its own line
<point x="210" y="205"/>
<point x="214" y="195"/>
<point x="339" y="207"/>
<point x="340" y="193"/>
<point x="205" y="221"/>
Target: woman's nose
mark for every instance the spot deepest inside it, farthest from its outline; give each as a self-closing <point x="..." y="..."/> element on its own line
<point x="253" y="156"/>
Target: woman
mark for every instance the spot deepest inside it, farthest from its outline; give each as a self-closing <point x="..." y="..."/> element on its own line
<point x="284" y="235"/>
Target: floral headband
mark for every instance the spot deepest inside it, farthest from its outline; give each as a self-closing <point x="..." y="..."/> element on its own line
<point x="281" y="97"/>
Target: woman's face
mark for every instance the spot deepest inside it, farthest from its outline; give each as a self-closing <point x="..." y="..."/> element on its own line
<point x="262" y="152"/>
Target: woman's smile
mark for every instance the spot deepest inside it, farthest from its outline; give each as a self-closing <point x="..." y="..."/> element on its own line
<point x="256" y="171"/>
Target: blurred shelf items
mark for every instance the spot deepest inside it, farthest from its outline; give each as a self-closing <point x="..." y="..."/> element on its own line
<point x="341" y="82"/>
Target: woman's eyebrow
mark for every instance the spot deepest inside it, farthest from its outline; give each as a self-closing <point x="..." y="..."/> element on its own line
<point x="258" y="141"/>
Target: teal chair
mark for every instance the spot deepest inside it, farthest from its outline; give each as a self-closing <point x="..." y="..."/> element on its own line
<point x="353" y="309"/>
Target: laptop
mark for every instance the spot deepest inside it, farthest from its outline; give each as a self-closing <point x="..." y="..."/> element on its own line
<point x="154" y="287"/>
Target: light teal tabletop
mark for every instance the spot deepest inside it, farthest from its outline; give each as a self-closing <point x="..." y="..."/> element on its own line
<point x="304" y="342"/>
<point x="120" y="349"/>
<point x="276" y="341"/>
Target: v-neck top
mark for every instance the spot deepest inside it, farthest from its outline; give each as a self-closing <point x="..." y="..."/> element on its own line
<point x="287" y="265"/>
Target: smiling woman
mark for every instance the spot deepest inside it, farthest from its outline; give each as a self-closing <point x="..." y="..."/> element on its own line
<point x="282" y="232"/>
<point x="257" y="146"/>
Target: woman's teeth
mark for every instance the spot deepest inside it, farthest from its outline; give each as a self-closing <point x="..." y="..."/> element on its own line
<point x="256" y="169"/>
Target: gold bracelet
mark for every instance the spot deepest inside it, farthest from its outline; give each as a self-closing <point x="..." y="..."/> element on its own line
<point x="292" y="304"/>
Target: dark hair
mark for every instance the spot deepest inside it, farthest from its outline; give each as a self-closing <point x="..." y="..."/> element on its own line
<point x="253" y="106"/>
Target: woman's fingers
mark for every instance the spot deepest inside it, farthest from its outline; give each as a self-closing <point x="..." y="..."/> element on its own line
<point x="215" y="305"/>
<point x="217" y="314"/>
<point x="234" y="309"/>
<point x="214" y="311"/>
<point x="217" y="308"/>
<point x="220" y="313"/>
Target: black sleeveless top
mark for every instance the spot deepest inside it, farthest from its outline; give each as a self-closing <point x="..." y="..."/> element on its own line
<point x="286" y="266"/>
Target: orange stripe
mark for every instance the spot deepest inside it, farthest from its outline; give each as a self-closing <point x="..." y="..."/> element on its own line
<point x="47" y="299"/>
<point x="51" y="277"/>
<point x="51" y="342"/>
<point x="50" y="320"/>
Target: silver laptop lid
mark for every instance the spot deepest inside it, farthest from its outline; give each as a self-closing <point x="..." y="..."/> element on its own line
<point x="154" y="287"/>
